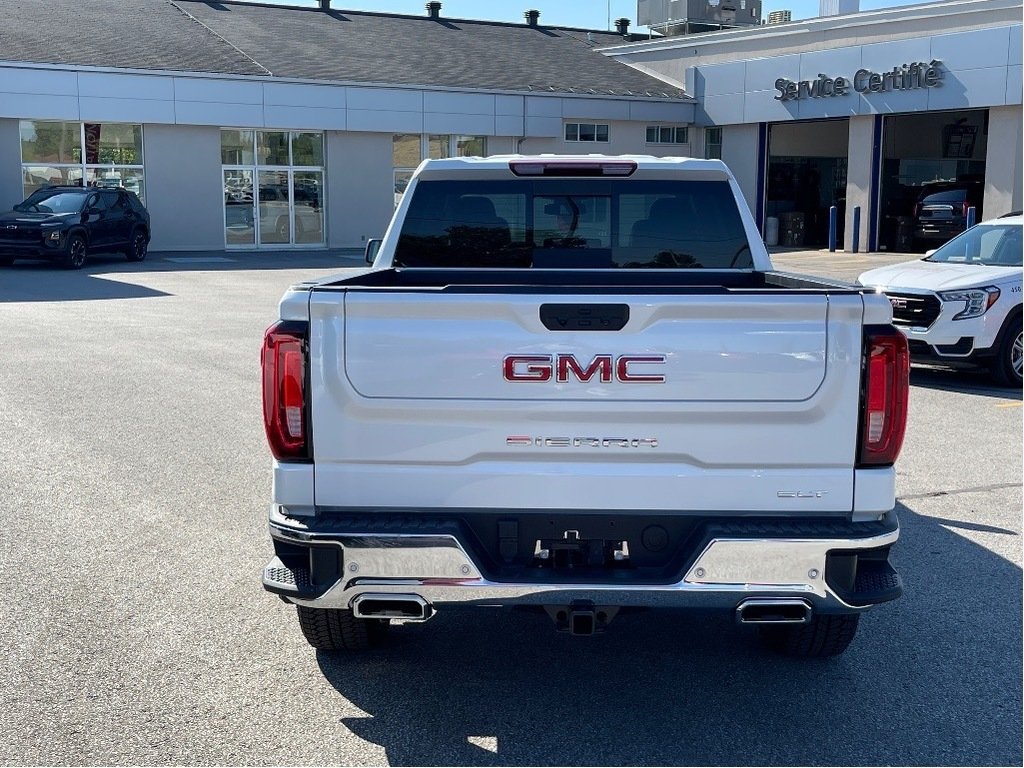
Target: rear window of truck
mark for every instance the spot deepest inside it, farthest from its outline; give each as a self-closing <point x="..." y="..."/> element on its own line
<point x="573" y="223"/>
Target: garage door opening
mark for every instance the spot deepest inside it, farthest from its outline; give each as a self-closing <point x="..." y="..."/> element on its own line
<point x="807" y="164"/>
<point x="933" y="170"/>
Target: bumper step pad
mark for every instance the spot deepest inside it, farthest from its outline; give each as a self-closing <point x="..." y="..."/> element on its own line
<point x="279" y="578"/>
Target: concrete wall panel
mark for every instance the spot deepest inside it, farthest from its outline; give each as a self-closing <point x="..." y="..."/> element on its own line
<point x="509" y="125"/>
<point x="543" y="106"/>
<point x="1003" y="177"/>
<point x="474" y="125"/>
<point x="739" y="152"/>
<point x="380" y="120"/>
<point x="11" y="189"/>
<point x="838" y="62"/>
<point x="762" y="106"/>
<point x="385" y="99"/>
<point x="296" y="95"/>
<point x="42" y="82"/>
<point x="1014" y="84"/>
<point x="858" y="178"/>
<point x="312" y="118"/>
<point x="209" y="113"/>
<point x="892" y="101"/>
<point x="970" y="88"/>
<point x="721" y="79"/>
<point x="184" y="187"/>
<point x="125" y="86"/>
<point x="509" y="105"/>
<point x="218" y="91"/>
<point x="595" y="109"/>
<point x="724" y="110"/>
<point x="679" y="113"/>
<point x="761" y="74"/>
<point x="977" y="49"/>
<point x="39" y="107"/>
<point x="880" y="57"/>
<point x="550" y="127"/>
<point x="458" y="103"/>
<point x="360" y="187"/>
<point x="115" y="110"/>
<point x="1016" y="55"/>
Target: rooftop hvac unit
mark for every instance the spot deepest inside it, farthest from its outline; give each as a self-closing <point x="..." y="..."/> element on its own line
<point x="838" y="7"/>
<point x="682" y="17"/>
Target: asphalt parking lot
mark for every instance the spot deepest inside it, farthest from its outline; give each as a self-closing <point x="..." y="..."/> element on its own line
<point x="133" y="490"/>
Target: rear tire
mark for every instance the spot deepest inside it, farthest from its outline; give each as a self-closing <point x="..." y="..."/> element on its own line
<point x="138" y="246"/>
<point x="824" y="636"/>
<point x="1006" y="368"/>
<point x="339" y="630"/>
<point x="77" y="252"/>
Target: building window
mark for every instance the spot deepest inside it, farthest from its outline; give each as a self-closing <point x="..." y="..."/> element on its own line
<point x="90" y="154"/>
<point x="273" y="187"/>
<point x="668" y="134"/>
<point x="408" y="149"/>
<point x="713" y="143"/>
<point x="586" y="132"/>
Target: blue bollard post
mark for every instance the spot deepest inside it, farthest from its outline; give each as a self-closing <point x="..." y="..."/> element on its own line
<point x="833" y="215"/>
<point x="972" y="214"/>
<point x="856" y="229"/>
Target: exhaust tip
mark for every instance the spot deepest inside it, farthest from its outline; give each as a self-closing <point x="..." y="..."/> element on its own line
<point x="773" y="611"/>
<point x="408" y="607"/>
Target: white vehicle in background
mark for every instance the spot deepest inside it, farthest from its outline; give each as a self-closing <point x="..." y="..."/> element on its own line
<point x="961" y="304"/>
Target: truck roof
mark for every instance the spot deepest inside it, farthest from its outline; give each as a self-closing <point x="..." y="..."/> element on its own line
<point x="643" y="162"/>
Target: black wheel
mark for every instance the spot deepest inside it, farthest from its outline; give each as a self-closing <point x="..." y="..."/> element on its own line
<point x="1006" y="368"/>
<point x="74" y="257"/>
<point x="138" y="246"/>
<point x="824" y="636"/>
<point x="339" y="630"/>
<point x="6" y="261"/>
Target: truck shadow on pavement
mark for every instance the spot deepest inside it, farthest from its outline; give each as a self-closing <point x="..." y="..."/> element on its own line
<point x="933" y="678"/>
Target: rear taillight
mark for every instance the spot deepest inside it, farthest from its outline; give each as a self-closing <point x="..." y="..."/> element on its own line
<point x="284" y="390"/>
<point x="886" y="392"/>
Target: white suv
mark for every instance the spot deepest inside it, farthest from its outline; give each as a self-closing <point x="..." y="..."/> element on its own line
<point x="962" y="302"/>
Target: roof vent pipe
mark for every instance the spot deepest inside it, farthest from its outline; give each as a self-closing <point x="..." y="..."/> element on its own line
<point x="434" y="9"/>
<point x="622" y="26"/>
<point x="531" y="17"/>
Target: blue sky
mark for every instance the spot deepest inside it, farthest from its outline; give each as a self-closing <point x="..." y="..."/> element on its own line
<point x="592" y="14"/>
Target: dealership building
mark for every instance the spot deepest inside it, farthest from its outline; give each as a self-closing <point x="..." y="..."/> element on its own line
<point x="247" y="126"/>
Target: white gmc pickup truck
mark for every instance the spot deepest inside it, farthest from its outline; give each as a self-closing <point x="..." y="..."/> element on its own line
<point x="576" y="385"/>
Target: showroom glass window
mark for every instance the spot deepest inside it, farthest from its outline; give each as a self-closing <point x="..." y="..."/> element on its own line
<point x="93" y="154"/>
<point x="273" y="187"/>
<point x="408" y="149"/>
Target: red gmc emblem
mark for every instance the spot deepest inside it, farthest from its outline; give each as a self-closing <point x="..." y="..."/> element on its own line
<point x="603" y="368"/>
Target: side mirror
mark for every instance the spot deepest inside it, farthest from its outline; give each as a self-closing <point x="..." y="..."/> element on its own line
<point x="929" y="253"/>
<point x="372" y="249"/>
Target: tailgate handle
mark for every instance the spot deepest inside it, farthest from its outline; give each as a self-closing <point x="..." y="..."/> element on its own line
<point x="584" y="317"/>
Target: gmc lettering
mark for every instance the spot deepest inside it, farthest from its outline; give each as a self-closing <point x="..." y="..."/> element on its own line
<point x="563" y="367"/>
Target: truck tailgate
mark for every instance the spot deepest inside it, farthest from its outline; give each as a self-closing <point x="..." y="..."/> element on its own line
<point x="727" y="402"/>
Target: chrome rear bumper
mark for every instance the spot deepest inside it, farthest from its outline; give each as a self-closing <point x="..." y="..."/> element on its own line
<point x="438" y="569"/>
